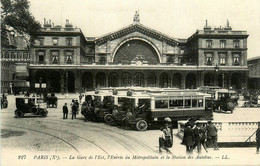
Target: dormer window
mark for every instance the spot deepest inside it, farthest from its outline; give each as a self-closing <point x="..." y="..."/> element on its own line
<point x="69" y="57"/>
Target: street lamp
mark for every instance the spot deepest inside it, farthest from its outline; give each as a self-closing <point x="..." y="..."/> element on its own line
<point x="223" y="80"/>
<point x="40" y="81"/>
<point x="67" y="83"/>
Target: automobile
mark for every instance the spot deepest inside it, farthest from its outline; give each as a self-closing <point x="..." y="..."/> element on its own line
<point x="97" y="105"/>
<point x="52" y="101"/>
<point x="223" y="99"/>
<point x="32" y="105"/>
<point x="4" y="101"/>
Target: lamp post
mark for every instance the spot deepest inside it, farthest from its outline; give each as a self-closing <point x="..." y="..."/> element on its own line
<point x="223" y="80"/>
<point x="216" y="71"/>
<point x="40" y="81"/>
<point x="67" y="83"/>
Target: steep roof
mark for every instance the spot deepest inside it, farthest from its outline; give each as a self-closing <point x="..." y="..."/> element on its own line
<point x="138" y="28"/>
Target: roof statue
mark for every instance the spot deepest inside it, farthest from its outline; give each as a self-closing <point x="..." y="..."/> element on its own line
<point x="136" y="17"/>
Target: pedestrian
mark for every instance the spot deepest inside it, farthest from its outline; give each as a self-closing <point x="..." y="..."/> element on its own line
<point x="188" y="138"/>
<point x="162" y="140"/>
<point x="168" y="137"/>
<point x="212" y="134"/>
<point x="77" y="105"/>
<point x="258" y="138"/>
<point x="80" y="97"/>
<point x="203" y="137"/>
<point x="197" y="137"/>
<point x="65" y="111"/>
<point x="74" y="110"/>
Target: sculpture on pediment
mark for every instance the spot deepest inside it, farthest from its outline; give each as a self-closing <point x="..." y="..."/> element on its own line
<point x="136" y="17"/>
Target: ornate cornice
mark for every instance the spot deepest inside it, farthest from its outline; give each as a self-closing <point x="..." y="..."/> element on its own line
<point x="138" y="28"/>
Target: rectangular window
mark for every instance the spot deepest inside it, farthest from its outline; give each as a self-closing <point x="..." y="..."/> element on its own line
<point x="41" y="58"/>
<point x="69" y="57"/>
<point x="182" y="51"/>
<point x="194" y="103"/>
<point x="55" y="56"/>
<point x="200" y="103"/>
<point x="161" y="104"/>
<point x="69" y="41"/>
<point x="236" y="60"/>
<point x="187" y="103"/>
<point x="222" y="61"/>
<point x="209" y="43"/>
<point x="222" y="44"/>
<point x="236" y="43"/>
<point x="55" y="41"/>
<point x="176" y="103"/>
<point x="209" y="61"/>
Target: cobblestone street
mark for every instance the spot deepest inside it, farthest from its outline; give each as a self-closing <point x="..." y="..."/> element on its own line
<point x="34" y="135"/>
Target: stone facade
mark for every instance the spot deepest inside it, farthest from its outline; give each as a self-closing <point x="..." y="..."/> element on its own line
<point x="254" y="73"/>
<point x="138" y="56"/>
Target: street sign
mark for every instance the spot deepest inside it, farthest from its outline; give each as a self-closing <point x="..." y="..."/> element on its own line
<point x="37" y="85"/>
<point x="43" y="85"/>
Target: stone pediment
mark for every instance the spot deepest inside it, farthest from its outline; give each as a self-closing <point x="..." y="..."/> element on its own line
<point x="141" y="29"/>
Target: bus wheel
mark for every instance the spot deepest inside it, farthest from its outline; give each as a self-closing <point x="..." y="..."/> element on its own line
<point x="19" y="114"/>
<point x="108" y="118"/>
<point x="141" y="125"/>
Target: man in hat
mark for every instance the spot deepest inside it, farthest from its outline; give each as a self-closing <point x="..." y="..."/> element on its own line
<point x="65" y="111"/>
<point x="212" y="134"/>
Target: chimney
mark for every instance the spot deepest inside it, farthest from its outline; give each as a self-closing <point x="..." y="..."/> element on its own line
<point x="206" y="27"/>
<point x="228" y="27"/>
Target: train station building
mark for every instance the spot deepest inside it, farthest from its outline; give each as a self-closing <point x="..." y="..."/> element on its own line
<point x="64" y="60"/>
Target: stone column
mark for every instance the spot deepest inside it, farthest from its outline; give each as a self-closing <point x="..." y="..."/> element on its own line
<point x="94" y="80"/>
<point x="77" y="81"/>
<point x="157" y="79"/>
<point x="106" y="74"/>
<point x="229" y="79"/>
<point x="62" y="82"/>
<point x="183" y="80"/>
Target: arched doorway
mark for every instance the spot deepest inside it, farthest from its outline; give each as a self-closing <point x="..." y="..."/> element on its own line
<point x="87" y="81"/>
<point x="151" y="80"/>
<point x="191" y="81"/>
<point x="209" y="79"/>
<point x="126" y="79"/>
<point x="113" y="80"/>
<point x="129" y="50"/>
<point x="100" y="80"/>
<point x="235" y="81"/>
<point x="139" y="79"/>
<point x="40" y="75"/>
<point x="54" y="81"/>
<point x="164" y="80"/>
<point x="176" y="80"/>
<point x="223" y="80"/>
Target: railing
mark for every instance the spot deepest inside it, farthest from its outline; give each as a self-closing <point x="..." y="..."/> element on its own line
<point x="229" y="131"/>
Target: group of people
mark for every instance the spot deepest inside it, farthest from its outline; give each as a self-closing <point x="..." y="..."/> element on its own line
<point x="74" y="108"/>
<point x="197" y="134"/>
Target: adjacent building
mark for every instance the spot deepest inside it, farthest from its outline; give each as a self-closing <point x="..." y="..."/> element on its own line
<point x="67" y="61"/>
<point x="15" y="58"/>
<point x="254" y="73"/>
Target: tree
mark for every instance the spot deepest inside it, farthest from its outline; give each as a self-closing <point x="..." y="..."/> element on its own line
<point x="16" y="15"/>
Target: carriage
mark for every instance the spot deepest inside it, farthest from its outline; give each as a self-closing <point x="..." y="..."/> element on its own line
<point x="33" y="105"/>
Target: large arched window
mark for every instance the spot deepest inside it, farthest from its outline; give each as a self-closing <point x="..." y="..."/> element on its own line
<point x="126" y="79"/>
<point x="113" y="80"/>
<point x="139" y="79"/>
<point x="191" y="81"/>
<point x="151" y="80"/>
<point x="164" y="80"/>
<point x="100" y="79"/>
<point x="176" y="80"/>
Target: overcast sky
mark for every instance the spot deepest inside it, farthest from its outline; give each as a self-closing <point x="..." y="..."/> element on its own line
<point x="176" y="18"/>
